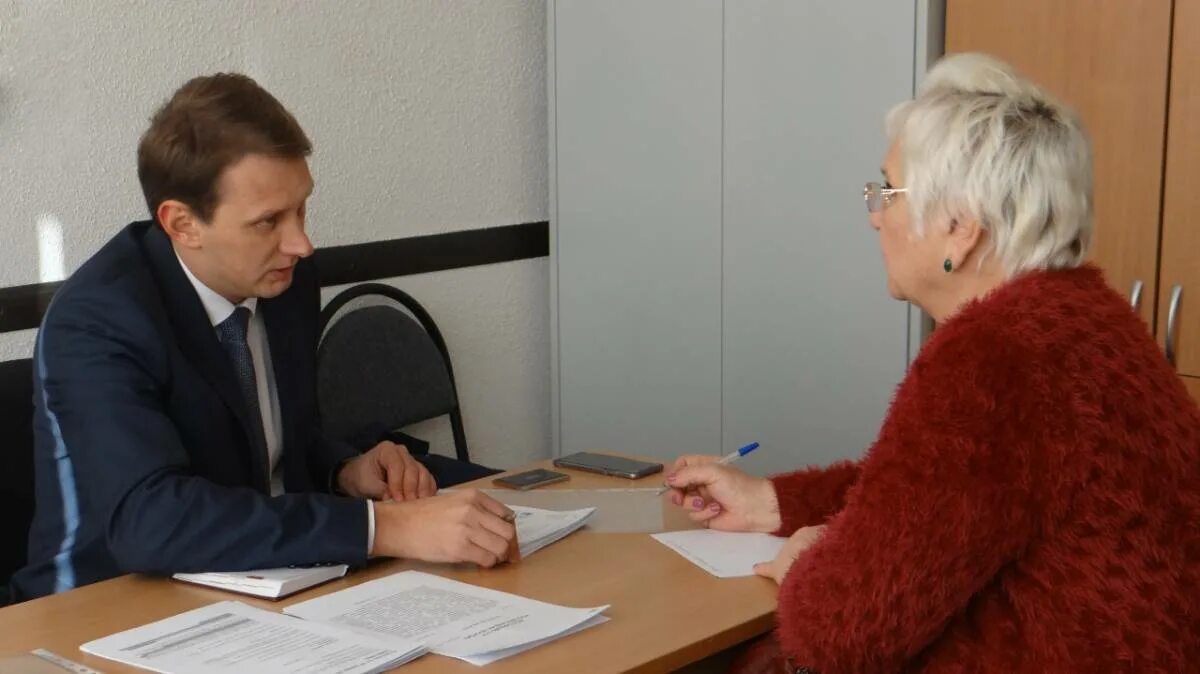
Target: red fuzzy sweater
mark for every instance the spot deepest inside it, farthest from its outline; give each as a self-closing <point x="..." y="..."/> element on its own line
<point x="1032" y="503"/>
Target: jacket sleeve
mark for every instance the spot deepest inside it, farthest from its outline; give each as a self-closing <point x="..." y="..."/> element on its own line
<point x="951" y="492"/>
<point x="102" y="381"/>
<point x="811" y="496"/>
<point x="326" y="458"/>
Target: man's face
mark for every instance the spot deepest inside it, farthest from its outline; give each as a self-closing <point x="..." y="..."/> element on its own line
<point x="255" y="237"/>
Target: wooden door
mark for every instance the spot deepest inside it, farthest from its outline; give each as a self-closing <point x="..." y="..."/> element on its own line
<point x="1181" y="196"/>
<point x="1109" y="60"/>
<point x="1193" y="387"/>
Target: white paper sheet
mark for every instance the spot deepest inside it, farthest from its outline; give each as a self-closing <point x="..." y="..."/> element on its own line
<point x="537" y="527"/>
<point x="723" y="554"/>
<point x="454" y="619"/>
<point x="232" y="637"/>
<point x="270" y="583"/>
<point x="488" y="658"/>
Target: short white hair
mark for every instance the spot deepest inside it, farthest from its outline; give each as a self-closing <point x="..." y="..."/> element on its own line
<point x="981" y="142"/>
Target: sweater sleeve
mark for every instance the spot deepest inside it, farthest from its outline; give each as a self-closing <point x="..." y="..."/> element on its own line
<point x="947" y="496"/>
<point x="811" y="496"/>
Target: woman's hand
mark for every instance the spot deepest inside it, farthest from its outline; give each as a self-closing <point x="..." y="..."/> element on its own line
<point x="800" y="541"/>
<point x="722" y="497"/>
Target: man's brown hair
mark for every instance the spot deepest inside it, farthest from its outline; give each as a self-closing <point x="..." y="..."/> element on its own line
<point x="209" y="124"/>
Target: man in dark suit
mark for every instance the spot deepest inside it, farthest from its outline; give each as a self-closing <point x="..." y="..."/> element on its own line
<point x="174" y="381"/>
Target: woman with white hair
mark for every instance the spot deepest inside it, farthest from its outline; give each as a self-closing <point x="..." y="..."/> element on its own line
<point x="1032" y="502"/>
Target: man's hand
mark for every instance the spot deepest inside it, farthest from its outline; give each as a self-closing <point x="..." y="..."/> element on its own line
<point x="803" y="539"/>
<point x="386" y="472"/>
<point x="461" y="526"/>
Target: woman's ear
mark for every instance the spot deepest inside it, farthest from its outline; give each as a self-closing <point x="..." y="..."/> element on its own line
<point x="963" y="241"/>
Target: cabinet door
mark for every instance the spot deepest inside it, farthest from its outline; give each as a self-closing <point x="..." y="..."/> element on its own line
<point x="1181" y="197"/>
<point x="814" y="346"/>
<point x="637" y="224"/>
<point x="1109" y="60"/>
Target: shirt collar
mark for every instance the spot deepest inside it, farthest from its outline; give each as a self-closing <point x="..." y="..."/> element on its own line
<point x="217" y="307"/>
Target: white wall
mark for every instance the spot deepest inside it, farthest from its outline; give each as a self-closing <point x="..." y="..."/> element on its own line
<point x="426" y="116"/>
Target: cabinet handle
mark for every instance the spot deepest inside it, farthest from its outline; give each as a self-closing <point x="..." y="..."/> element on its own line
<point x="1135" y="295"/>
<point x="1172" y="320"/>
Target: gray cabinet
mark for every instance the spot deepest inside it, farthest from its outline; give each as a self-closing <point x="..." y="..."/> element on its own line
<point x="714" y="277"/>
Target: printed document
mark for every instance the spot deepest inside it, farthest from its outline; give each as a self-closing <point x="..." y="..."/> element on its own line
<point x="537" y="528"/>
<point x="232" y="637"/>
<point x="454" y="619"/>
<point x="724" y="554"/>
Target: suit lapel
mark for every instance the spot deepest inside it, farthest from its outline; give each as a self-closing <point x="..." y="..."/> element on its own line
<point x="198" y="340"/>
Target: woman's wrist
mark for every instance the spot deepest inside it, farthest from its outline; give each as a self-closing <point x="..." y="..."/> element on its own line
<point x="767" y="517"/>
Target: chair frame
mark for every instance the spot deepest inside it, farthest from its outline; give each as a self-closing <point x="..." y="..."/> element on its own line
<point x="17" y="373"/>
<point x="427" y="323"/>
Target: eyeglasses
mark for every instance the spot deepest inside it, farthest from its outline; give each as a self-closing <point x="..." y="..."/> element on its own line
<point x="879" y="197"/>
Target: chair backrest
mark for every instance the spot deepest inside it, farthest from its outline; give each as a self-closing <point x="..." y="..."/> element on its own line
<point x="383" y="366"/>
<point x="16" y="466"/>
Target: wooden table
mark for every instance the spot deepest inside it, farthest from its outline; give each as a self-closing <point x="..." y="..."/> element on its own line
<point x="665" y="611"/>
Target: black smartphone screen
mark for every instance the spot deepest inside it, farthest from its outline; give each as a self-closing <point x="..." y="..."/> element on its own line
<point x="531" y="478"/>
<point x="612" y="465"/>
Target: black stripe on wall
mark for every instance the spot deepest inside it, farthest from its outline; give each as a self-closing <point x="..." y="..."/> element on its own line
<point x="21" y="307"/>
<point x="435" y="252"/>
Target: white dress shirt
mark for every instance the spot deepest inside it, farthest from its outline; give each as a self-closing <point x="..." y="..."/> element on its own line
<point x="218" y="309"/>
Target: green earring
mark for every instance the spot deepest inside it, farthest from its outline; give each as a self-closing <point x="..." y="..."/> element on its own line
<point x="948" y="266"/>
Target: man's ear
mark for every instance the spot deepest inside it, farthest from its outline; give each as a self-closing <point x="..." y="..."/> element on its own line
<point x="180" y="223"/>
<point x="963" y="240"/>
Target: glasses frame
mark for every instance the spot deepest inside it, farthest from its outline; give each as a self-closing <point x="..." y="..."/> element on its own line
<point x="878" y="197"/>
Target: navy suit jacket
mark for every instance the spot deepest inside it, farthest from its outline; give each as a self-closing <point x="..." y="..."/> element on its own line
<point x="143" y="459"/>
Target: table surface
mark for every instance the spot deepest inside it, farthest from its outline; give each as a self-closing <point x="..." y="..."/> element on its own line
<point x="665" y="612"/>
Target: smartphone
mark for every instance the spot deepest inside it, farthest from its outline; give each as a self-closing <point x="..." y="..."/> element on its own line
<point x="530" y="479"/>
<point x="608" y="465"/>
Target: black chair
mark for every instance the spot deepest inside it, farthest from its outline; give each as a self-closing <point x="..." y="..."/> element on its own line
<point x="382" y="367"/>
<point x="16" y="467"/>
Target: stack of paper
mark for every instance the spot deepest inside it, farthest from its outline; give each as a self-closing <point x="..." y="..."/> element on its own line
<point x="232" y="637"/>
<point x="455" y="619"/>
<point x="537" y="528"/>
<point x="724" y="554"/>
<point x="270" y="583"/>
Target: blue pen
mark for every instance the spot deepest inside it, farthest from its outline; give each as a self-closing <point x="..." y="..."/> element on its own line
<point x="727" y="459"/>
<point x="734" y="456"/>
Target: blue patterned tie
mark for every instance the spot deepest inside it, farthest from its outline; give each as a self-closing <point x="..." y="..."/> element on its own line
<point x="232" y="333"/>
